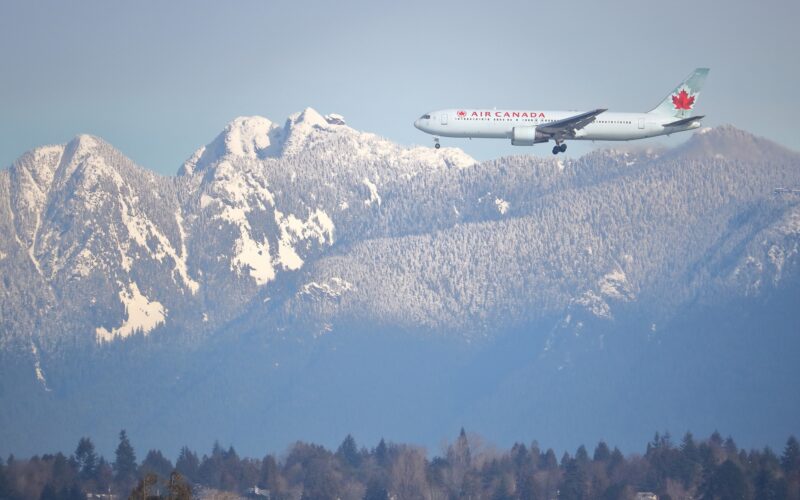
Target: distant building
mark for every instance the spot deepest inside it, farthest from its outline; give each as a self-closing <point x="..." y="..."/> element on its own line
<point x="256" y="492"/>
<point x="646" y="495"/>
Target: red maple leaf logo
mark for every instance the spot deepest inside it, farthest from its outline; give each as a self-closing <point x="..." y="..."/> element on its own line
<point x="682" y="100"/>
<point x="462" y="113"/>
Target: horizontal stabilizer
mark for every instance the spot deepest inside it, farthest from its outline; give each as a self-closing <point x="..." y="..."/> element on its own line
<point x="685" y="121"/>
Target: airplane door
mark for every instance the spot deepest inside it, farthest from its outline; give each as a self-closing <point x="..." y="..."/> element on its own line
<point x="641" y="123"/>
<point x="444" y="118"/>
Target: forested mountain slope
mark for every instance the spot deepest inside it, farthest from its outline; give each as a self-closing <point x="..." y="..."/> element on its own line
<point x="273" y="277"/>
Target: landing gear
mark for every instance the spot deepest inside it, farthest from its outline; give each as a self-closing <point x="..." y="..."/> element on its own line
<point x="560" y="148"/>
<point x="436" y="143"/>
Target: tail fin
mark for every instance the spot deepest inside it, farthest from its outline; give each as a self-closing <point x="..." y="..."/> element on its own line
<point x="681" y="101"/>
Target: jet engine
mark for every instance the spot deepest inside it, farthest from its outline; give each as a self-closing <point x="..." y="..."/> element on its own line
<point x="526" y="136"/>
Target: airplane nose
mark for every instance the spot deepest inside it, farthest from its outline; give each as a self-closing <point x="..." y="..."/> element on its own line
<point x="416" y="123"/>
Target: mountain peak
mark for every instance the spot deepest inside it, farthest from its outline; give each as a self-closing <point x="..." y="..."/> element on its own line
<point x="248" y="135"/>
<point x="727" y="141"/>
<point x="83" y="144"/>
<point x="256" y="137"/>
<point x="308" y="116"/>
<point x="244" y="136"/>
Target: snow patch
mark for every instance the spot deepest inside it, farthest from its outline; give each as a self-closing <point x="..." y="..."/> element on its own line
<point x="236" y="192"/>
<point x="595" y="304"/>
<point x="333" y="288"/>
<point x="615" y="285"/>
<point x="374" y="197"/>
<point x="704" y="130"/>
<point x="142" y="315"/>
<point x="181" y="266"/>
<point x="502" y="205"/>
<point x="141" y="229"/>
<point x="253" y="256"/>
<point x="37" y="367"/>
<point x="778" y="257"/>
<point x="318" y="226"/>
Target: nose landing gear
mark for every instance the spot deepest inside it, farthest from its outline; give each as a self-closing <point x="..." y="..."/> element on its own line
<point x="560" y="148"/>
<point x="436" y="143"/>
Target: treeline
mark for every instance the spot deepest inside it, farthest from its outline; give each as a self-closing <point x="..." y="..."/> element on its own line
<point x="714" y="468"/>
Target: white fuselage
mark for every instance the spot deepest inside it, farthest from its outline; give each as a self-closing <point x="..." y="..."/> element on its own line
<point x="499" y="124"/>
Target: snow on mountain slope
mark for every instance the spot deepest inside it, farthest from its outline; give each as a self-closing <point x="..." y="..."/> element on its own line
<point x="286" y="214"/>
<point x="246" y="137"/>
<point x="141" y="315"/>
<point x="657" y="230"/>
<point x="281" y="192"/>
<point x="298" y="258"/>
<point x="107" y="249"/>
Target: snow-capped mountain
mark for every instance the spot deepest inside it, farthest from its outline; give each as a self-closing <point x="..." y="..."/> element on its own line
<point x="279" y="248"/>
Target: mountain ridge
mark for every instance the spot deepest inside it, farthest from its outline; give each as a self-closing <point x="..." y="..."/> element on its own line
<point x="277" y="253"/>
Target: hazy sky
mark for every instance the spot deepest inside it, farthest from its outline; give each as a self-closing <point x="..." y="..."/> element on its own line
<point x="158" y="79"/>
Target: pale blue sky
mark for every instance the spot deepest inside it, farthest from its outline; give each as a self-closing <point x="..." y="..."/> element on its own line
<point x="160" y="78"/>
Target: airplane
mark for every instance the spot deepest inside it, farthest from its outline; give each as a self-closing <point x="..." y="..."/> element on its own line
<point x="526" y="127"/>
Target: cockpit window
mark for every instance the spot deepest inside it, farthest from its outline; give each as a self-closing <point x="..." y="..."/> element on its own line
<point x="426" y="117"/>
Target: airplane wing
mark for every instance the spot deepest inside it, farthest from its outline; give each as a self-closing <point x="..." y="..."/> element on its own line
<point x="566" y="127"/>
<point x="684" y="121"/>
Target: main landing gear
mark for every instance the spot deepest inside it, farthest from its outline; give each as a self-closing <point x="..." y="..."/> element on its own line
<point x="436" y="143"/>
<point x="560" y="148"/>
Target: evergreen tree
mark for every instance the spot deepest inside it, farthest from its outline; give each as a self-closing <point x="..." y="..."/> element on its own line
<point x="549" y="461"/>
<point x="348" y="452"/>
<point x="601" y="452"/>
<point x="726" y="482"/>
<point x="63" y="471"/>
<point x="790" y="460"/>
<point x="105" y="475"/>
<point x="527" y="486"/>
<point x="767" y="487"/>
<point x="582" y="456"/>
<point x="155" y="463"/>
<point x="462" y="452"/>
<point x="86" y="459"/>
<point x="616" y="463"/>
<point x="269" y="474"/>
<point x="188" y="464"/>
<point x="574" y="482"/>
<point x="689" y="448"/>
<point x="125" y="463"/>
<point x="5" y="484"/>
<point x="50" y="492"/>
<point x="382" y="454"/>
<point x="74" y="492"/>
<point x="376" y="490"/>
<point x="688" y="468"/>
<point x="731" y="450"/>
